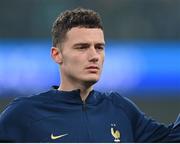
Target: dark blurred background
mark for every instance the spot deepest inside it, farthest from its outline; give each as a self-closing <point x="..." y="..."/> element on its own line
<point x="142" y="51"/>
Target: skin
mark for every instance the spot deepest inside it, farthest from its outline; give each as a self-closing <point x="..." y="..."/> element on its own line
<point x="81" y="59"/>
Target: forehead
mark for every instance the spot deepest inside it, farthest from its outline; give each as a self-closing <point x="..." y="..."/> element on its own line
<point x="77" y="34"/>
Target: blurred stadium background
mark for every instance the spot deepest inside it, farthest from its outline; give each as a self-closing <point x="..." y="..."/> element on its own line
<point x="142" y="51"/>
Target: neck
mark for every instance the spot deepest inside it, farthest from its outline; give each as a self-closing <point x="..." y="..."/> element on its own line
<point x="85" y="89"/>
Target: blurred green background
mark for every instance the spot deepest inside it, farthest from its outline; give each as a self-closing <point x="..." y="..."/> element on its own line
<point x="124" y="20"/>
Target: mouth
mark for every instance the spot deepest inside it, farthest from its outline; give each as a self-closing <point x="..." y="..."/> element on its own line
<point x="93" y="69"/>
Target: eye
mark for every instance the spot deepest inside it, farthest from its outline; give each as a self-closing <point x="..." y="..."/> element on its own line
<point x="100" y="47"/>
<point x="82" y="47"/>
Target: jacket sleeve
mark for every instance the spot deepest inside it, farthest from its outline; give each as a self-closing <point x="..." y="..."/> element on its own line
<point x="144" y="128"/>
<point x="13" y="124"/>
<point x="148" y="130"/>
<point x="174" y="135"/>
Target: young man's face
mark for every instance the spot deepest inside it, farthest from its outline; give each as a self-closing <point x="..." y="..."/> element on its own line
<point x="83" y="55"/>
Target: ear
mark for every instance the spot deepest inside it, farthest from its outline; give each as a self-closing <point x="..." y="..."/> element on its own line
<point x="56" y="55"/>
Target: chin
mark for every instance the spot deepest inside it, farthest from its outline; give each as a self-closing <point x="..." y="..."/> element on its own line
<point x="91" y="81"/>
<point x="91" y="78"/>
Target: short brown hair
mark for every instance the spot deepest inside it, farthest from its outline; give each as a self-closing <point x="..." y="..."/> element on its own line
<point x="68" y="19"/>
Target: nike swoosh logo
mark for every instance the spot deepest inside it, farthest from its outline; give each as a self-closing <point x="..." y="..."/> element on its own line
<point x="57" y="137"/>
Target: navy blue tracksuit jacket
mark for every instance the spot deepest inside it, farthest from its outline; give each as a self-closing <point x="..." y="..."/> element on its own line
<point x="59" y="116"/>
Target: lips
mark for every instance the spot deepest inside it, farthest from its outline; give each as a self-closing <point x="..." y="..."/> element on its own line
<point x="93" y="67"/>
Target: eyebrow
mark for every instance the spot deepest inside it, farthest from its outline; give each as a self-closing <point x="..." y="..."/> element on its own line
<point x="85" y="44"/>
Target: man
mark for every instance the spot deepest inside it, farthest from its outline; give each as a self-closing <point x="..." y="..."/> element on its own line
<point x="73" y="111"/>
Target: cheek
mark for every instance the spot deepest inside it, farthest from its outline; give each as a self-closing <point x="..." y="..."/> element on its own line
<point x="74" y="61"/>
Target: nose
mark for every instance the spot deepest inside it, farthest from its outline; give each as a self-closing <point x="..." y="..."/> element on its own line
<point x="93" y="54"/>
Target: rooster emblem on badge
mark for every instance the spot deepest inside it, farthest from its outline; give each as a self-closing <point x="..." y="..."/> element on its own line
<point x="116" y="134"/>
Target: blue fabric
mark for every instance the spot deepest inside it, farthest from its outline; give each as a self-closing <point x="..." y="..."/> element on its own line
<point x="99" y="119"/>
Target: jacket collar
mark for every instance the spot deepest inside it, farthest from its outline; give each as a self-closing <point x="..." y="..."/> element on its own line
<point x="74" y="96"/>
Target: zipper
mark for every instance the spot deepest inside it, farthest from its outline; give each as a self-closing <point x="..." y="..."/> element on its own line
<point x="85" y="118"/>
<point x="84" y="105"/>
